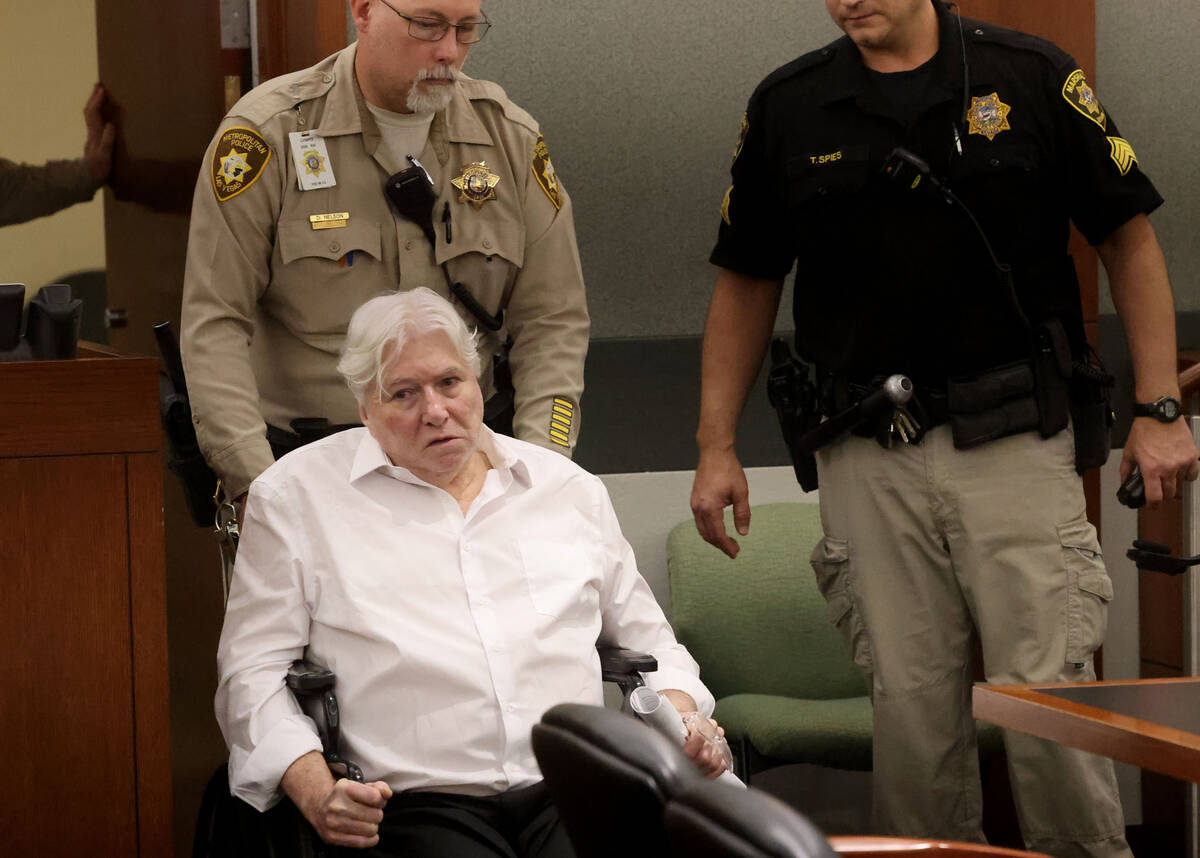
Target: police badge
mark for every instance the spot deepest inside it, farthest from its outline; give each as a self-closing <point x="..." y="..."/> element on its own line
<point x="988" y="116"/>
<point x="477" y="184"/>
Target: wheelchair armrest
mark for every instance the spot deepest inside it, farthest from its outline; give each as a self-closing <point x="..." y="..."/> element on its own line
<point x="625" y="667"/>
<point x="307" y="682"/>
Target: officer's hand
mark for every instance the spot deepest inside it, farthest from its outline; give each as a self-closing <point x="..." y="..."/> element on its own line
<point x="720" y="481"/>
<point x="98" y="148"/>
<point x="351" y="813"/>
<point x="1166" y="454"/>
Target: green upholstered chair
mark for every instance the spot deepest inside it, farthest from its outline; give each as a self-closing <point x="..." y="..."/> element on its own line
<point x="786" y="689"/>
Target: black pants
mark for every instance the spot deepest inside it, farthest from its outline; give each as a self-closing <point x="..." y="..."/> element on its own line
<point x="520" y="823"/>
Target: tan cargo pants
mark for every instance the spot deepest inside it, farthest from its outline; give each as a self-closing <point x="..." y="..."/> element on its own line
<point x="926" y="546"/>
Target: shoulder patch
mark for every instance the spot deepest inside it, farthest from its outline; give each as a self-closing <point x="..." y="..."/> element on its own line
<point x="737" y="150"/>
<point x="543" y="171"/>
<point x="1083" y="98"/>
<point x="238" y="160"/>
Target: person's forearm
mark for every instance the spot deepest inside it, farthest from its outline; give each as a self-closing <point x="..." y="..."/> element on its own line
<point x="307" y="783"/>
<point x="28" y="191"/>
<point x="741" y="317"/>
<point x="1141" y="292"/>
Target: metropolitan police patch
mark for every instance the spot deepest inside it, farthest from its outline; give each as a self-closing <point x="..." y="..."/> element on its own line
<point x="543" y="171"/>
<point x="1083" y="98"/>
<point x="238" y="160"/>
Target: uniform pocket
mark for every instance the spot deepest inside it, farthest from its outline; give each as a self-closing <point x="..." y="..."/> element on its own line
<point x="1089" y="589"/>
<point x="561" y="578"/>
<point x="298" y="240"/>
<point x="831" y="562"/>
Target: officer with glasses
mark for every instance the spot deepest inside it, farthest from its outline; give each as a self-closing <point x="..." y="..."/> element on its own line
<point x="383" y="167"/>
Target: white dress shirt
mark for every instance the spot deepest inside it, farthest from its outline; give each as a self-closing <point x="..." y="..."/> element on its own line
<point x="450" y="634"/>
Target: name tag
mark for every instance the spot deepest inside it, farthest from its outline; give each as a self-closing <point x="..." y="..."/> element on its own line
<point x="332" y="220"/>
<point x="311" y="157"/>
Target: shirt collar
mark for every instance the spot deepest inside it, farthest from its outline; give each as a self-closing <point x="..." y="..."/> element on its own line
<point x="849" y="78"/>
<point x="346" y="110"/>
<point x="503" y="455"/>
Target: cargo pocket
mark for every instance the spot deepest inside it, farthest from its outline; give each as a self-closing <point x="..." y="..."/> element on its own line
<point x="1089" y="590"/>
<point x="831" y="564"/>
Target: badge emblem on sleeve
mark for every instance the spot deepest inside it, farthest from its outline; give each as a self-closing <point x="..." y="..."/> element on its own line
<point x="1083" y="98"/>
<point x="477" y="184"/>
<point x="543" y="171"/>
<point x="1122" y="154"/>
<point x="562" y="415"/>
<point x="238" y="160"/>
<point x="988" y="116"/>
<point x="741" y="141"/>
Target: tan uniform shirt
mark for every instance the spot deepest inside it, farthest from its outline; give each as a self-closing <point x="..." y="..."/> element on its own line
<point x="267" y="297"/>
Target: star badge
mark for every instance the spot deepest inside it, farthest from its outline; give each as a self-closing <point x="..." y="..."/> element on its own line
<point x="234" y="166"/>
<point x="477" y="184"/>
<point x="314" y="164"/>
<point x="988" y="116"/>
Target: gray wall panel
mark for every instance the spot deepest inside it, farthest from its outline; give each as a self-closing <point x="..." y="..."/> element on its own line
<point x="640" y="104"/>
<point x="1147" y="64"/>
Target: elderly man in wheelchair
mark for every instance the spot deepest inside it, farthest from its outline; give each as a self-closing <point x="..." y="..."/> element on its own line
<point x="457" y="583"/>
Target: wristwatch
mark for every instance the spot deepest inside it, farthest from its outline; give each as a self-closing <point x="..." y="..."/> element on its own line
<point x="1165" y="409"/>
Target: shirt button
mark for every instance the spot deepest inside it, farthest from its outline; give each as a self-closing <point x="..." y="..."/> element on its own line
<point x="487" y="243"/>
<point x="511" y="707"/>
<point x="335" y="247"/>
<point x="408" y="244"/>
<point x="327" y="77"/>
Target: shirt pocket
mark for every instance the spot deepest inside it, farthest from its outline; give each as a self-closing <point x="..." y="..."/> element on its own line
<point x="561" y="578"/>
<point x="299" y="241"/>
<point x="996" y="163"/>
<point x="812" y="181"/>
<point x="485" y="258"/>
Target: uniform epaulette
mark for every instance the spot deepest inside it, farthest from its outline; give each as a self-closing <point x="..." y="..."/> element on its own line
<point x="485" y="90"/>
<point x="803" y="63"/>
<point x="983" y="32"/>
<point x="286" y="91"/>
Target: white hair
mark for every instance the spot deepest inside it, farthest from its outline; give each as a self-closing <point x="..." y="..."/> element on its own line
<point x="380" y="328"/>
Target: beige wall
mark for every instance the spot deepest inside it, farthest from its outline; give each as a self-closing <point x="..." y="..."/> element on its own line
<point x="48" y="60"/>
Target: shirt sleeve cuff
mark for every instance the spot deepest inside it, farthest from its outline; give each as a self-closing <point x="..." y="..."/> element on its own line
<point x="255" y="775"/>
<point x="668" y="677"/>
<point x="239" y="464"/>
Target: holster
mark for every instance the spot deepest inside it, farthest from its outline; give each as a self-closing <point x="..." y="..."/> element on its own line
<point x="1091" y="412"/>
<point x="794" y="398"/>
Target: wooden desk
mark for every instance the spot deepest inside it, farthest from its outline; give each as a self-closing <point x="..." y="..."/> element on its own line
<point x="83" y="643"/>
<point x="1151" y="723"/>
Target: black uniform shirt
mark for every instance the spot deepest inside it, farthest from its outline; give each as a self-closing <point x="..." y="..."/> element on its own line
<point x="894" y="279"/>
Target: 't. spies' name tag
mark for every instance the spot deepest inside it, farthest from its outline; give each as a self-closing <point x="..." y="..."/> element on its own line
<point x="311" y="157"/>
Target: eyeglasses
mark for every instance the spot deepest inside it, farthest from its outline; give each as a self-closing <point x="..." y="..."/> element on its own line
<point x="434" y="29"/>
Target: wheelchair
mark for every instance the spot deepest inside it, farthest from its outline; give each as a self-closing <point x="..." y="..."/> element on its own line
<point x="227" y="827"/>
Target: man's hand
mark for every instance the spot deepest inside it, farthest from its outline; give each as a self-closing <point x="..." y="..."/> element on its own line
<point x="1166" y="455"/>
<point x="720" y="481"/>
<point x="344" y="813"/>
<point x="350" y="814"/>
<point x="98" y="148"/>
<point x="707" y="757"/>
